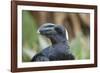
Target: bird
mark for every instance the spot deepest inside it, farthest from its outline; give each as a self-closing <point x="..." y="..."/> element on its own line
<point x="59" y="50"/>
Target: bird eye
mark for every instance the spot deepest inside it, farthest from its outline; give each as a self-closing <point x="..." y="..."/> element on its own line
<point x="58" y="30"/>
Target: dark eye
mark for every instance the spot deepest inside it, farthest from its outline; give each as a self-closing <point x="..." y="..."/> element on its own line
<point x="58" y="30"/>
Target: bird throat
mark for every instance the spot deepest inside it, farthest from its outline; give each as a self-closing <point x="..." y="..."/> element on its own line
<point x="53" y="41"/>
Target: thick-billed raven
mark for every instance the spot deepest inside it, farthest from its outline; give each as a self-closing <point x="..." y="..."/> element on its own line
<point x="59" y="50"/>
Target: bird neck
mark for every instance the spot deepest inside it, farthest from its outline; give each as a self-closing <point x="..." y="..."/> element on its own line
<point x="58" y="41"/>
<point x="55" y="39"/>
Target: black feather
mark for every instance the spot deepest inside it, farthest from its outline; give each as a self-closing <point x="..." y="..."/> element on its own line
<point x="59" y="50"/>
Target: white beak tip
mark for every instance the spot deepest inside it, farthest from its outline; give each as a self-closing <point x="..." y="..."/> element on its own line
<point x="38" y="31"/>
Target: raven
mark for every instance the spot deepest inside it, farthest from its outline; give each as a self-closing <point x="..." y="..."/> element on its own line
<point x="59" y="50"/>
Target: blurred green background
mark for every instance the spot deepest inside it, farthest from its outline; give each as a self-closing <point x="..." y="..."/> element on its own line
<point x="77" y="25"/>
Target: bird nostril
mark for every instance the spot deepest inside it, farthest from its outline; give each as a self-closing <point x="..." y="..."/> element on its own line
<point x="42" y="32"/>
<point x="39" y="31"/>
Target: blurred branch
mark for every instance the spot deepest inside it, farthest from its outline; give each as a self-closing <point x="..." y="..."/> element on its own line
<point x="59" y="17"/>
<point x="75" y="23"/>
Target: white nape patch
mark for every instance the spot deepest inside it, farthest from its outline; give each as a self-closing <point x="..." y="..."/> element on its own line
<point x="67" y="34"/>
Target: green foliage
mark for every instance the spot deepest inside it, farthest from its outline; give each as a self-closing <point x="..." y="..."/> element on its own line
<point x="29" y="33"/>
<point x="80" y="48"/>
<point x="29" y="29"/>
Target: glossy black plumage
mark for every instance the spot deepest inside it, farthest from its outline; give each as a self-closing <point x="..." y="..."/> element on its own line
<point x="59" y="50"/>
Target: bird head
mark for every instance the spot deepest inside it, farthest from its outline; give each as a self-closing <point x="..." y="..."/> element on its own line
<point x="56" y="33"/>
